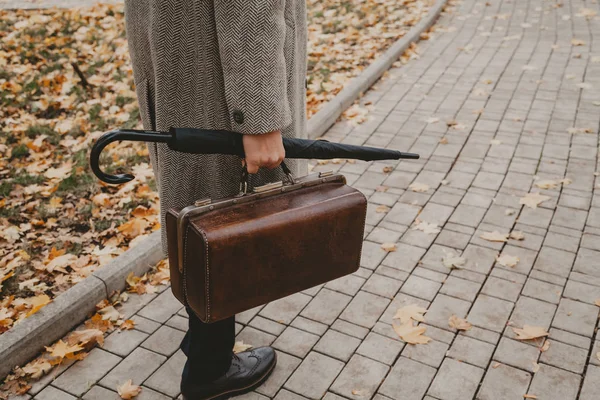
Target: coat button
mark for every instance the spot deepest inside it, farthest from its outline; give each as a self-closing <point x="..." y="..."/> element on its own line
<point x="238" y="116"/>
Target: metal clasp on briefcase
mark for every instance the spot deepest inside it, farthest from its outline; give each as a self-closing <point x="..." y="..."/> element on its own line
<point x="268" y="186"/>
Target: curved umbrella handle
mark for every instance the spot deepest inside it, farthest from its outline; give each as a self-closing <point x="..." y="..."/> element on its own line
<point x="122" y="134"/>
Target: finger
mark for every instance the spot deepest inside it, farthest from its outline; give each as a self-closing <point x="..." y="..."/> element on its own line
<point x="252" y="168"/>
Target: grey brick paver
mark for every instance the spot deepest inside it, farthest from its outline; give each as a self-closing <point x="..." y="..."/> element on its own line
<point x="408" y="380"/>
<point x="314" y="375"/>
<point x="554" y="384"/>
<point x="82" y="375"/>
<point x="138" y="366"/>
<point x="503" y="382"/>
<point x="455" y="381"/>
<point x="360" y="378"/>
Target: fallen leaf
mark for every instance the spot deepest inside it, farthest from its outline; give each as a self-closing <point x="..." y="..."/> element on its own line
<point x="577" y="42"/>
<point x="508" y="211"/>
<point x="418" y="187"/>
<point x="495" y="142"/>
<point x="389" y="246"/>
<point x="61" y="349"/>
<point x="453" y="262"/>
<point x="240" y="346"/>
<point x="536" y="367"/>
<point x="411" y="334"/>
<point x="546" y="346"/>
<point x="529" y="396"/>
<point x="517" y="235"/>
<point x="495" y="236"/>
<point x="507" y="261"/>
<point x="109" y="313"/>
<point x="37" y="368"/>
<point x="37" y="303"/>
<point x="382" y="209"/>
<point x="530" y="332"/>
<point x="86" y="336"/>
<point x="532" y="200"/>
<point x="410" y="312"/>
<point x="358" y="392"/>
<point x="459" y="323"/>
<point x="387" y="169"/>
<point x="427" y="227"/>
<point x="128" y="390"/>
<point x="444" y="140"/>
<point x="127" y="324"/>
<point x="597" y="302"/>
<point x="432" y="120"/>
<point x="496" y="365"/>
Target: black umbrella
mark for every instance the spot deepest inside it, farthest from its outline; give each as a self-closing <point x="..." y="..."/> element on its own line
<point x="203" y="141"/>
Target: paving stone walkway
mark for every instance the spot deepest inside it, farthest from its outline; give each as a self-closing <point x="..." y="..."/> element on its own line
<point x="516" y="61"/>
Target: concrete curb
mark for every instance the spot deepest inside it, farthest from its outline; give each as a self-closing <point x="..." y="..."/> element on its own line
<point x="318" y="124"/>
<point x="25" y="340"/>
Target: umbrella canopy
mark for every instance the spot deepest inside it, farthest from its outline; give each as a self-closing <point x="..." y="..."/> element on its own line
<point x="203" y="141"/>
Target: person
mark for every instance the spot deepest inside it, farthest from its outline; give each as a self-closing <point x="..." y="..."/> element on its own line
<point x="237" y="65"/>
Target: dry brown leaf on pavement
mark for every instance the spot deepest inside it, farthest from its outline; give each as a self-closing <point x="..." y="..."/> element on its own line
<point x="240" y="346"/>
<point x="532" y="200"/>
<point x="529" y="396"/>
<point x="410" y="312"/>
<point x="459" y="323"/>
<point x="128" y="390"/>
<point x="411" y="334"/>
<point x="61" y="350"/>
<point x="530" y="332"/>
<point x="86" y="336"/>
<point x="495" y="236"/>
<point x="418" y="187"/>
<point x="127" y="325"/>
<point x="37" y="368"/>
<point x="597" y="302"/>
<point x="389" y="246"/>
<point x="507" y="260"/>
<point x="535" y="367"/>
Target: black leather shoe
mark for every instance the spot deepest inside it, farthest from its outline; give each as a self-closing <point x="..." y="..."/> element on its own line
<point x="248" y="370"/>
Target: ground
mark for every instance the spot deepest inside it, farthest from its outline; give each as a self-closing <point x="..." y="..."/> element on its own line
<point x="501" y="103"/>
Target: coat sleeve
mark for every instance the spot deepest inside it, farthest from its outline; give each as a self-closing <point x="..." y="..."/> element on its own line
<point x="251" y="36"/>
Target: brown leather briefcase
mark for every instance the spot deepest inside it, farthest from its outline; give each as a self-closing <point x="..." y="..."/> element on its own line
<point x="233" y="254"/>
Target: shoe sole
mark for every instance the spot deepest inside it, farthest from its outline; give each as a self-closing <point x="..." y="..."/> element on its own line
<point x="237" y="392"/>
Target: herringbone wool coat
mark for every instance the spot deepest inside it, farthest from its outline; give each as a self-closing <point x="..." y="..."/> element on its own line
<point x="235" y="65"/>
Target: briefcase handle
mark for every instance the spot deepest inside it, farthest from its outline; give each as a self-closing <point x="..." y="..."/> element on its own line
<point x="244" y="179"/>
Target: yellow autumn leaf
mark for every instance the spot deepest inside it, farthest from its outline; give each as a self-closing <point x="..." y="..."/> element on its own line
<point x="459" y="323"/>
<point x="411" y="334"/>
<point x="86" y="336"/>
<point x="389" y="247"/>
<point x="410" y="312"/>
<point x="530" y="332"/>
<point x="37" y="303"/>
<point x="37" y="368"/>
<point x="128" y="390"/>
<point x="61" y="349"/>
<point x="240" y="346"/>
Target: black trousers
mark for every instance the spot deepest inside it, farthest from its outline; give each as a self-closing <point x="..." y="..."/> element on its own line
<point x="208" y="347"/>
